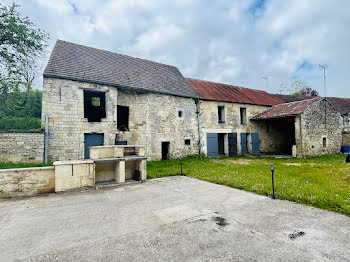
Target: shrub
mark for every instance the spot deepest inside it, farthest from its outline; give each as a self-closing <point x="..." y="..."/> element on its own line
<point x="20" y="123"/>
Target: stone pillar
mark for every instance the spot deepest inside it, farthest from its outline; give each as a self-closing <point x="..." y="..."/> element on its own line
<point x="119" y="172"/>
<point x="143" y="170"/>
<point x="74" y="174"/>
<point x="141" y="166"/>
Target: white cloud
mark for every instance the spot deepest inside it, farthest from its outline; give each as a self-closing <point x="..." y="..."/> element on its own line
<point x="228" y="41"/>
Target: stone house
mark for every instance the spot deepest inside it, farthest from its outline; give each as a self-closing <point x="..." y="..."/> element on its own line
<point x="225" y="126"/>
<point x="314" y="125"/>
<point x="94" y="97"/>
<point x="343" y="105"/>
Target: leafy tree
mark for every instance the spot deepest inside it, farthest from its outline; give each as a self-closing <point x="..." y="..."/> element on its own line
<point x="302" y="88"/>
<point x="21" y="42"/>
<point x="21" y="45"/>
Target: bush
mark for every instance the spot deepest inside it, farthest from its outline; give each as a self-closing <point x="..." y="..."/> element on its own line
<point x="20" y="123"/>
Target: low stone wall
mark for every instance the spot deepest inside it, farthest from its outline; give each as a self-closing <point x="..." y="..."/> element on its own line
<point x="26" y="181"/>
<point x="21" y="146"/>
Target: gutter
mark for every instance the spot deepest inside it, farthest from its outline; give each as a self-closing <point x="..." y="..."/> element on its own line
<point x="199" y="127"/>
<point x="300" y="138"/>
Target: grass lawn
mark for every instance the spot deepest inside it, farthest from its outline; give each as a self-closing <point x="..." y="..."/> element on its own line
<point x="7" y="165"/>
<point x="322" y="182"/>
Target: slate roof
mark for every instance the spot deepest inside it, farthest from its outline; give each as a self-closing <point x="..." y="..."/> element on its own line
<point x="207" y="90"/>
<point x="342" y="104"/>
<point x="81" y="63"/>
<point x="286" y="109"/>
<point x="292" y="98"/>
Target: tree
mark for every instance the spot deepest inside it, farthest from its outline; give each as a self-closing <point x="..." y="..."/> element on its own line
<point x="21" y="43"/>
<point x="302" y="88"/>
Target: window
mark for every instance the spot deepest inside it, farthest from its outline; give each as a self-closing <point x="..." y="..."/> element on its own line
<point x="324" y="142"/>
<point x="179" y="113"/>
<point x="123" y="118"/>
<point x="221" y="114"/>
<point x="187" y="142"/>
<point x="243" y="114"/>
<point x="94" y="105"/>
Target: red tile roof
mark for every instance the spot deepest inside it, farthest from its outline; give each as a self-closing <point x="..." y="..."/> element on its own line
<point x="207" y="90"/>
<point x="287" y="109"/>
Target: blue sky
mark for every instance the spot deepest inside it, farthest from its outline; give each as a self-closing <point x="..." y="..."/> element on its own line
<point x="234" y="42"/>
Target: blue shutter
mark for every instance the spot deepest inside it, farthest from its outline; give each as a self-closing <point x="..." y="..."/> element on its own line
<point x="244" y="143"/>
<point x="92" y="140"/>
<point x="232" y="145"/>
<point x="212" y="144"/>
<point x="255" y="144"/>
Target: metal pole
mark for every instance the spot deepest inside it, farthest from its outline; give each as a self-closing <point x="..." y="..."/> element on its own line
<point x="181" y="164"/>
<point x="325" y="92"/>
<point x="324" y="79"/>
<point x="199" y="127"/>
<point x="273" y="186"/>
<point x="300" y="138"/>
<point x="46" y="144"/>
<point x="267" y="83"/>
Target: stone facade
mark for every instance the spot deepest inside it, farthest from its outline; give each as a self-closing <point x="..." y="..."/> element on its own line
<point x="21" y="146"/>
<point x="270" y="140"/>
<point x="321" y="130"/>
<point x="153" y="119"/>
<point x="346" y="123"/>
<point x="26" y="181"/>
<point x="157" y="118"/>
<point x="63" y="101"/>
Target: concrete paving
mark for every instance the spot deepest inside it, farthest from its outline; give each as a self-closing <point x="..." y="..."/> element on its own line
<point x="169" y="219"/>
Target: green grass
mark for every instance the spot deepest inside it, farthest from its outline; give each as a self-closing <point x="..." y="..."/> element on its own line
<point x="7" y="165"/>
<point x="20" y="123"/>
<point x="321" y="182"/>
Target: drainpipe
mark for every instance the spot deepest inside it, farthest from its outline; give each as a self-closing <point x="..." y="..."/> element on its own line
<point x="198" y="124"/>
<point x="46" y="138"/>
<point x="300" y="138"/>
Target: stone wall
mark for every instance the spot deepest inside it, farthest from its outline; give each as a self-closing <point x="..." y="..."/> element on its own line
<point x="63" y="101"/>
<point x="21" y="146"/>
<point x="26" y="181"/>
<point x="346" y="139"/>
<point x="153" y="119"/>
<point x="270" y="140"/>
<point x="318" y="122"/>
<point x="346" y="123"/>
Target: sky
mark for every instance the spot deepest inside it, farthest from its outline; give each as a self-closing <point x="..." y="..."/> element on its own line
<point x="233" y="42"/>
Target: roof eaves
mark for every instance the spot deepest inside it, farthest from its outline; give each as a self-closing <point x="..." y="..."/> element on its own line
<point x="117" y="86"/>
<point x="257" y="117"/>
<point x="234" y="102"/>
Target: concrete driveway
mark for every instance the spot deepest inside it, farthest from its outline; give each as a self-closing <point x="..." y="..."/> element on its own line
<point x="169" y="219"/>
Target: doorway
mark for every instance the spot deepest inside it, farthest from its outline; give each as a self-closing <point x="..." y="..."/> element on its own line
<point x="221" y="144"/>
<point x="165" y="150"/>
<point x="91" y="140"/>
